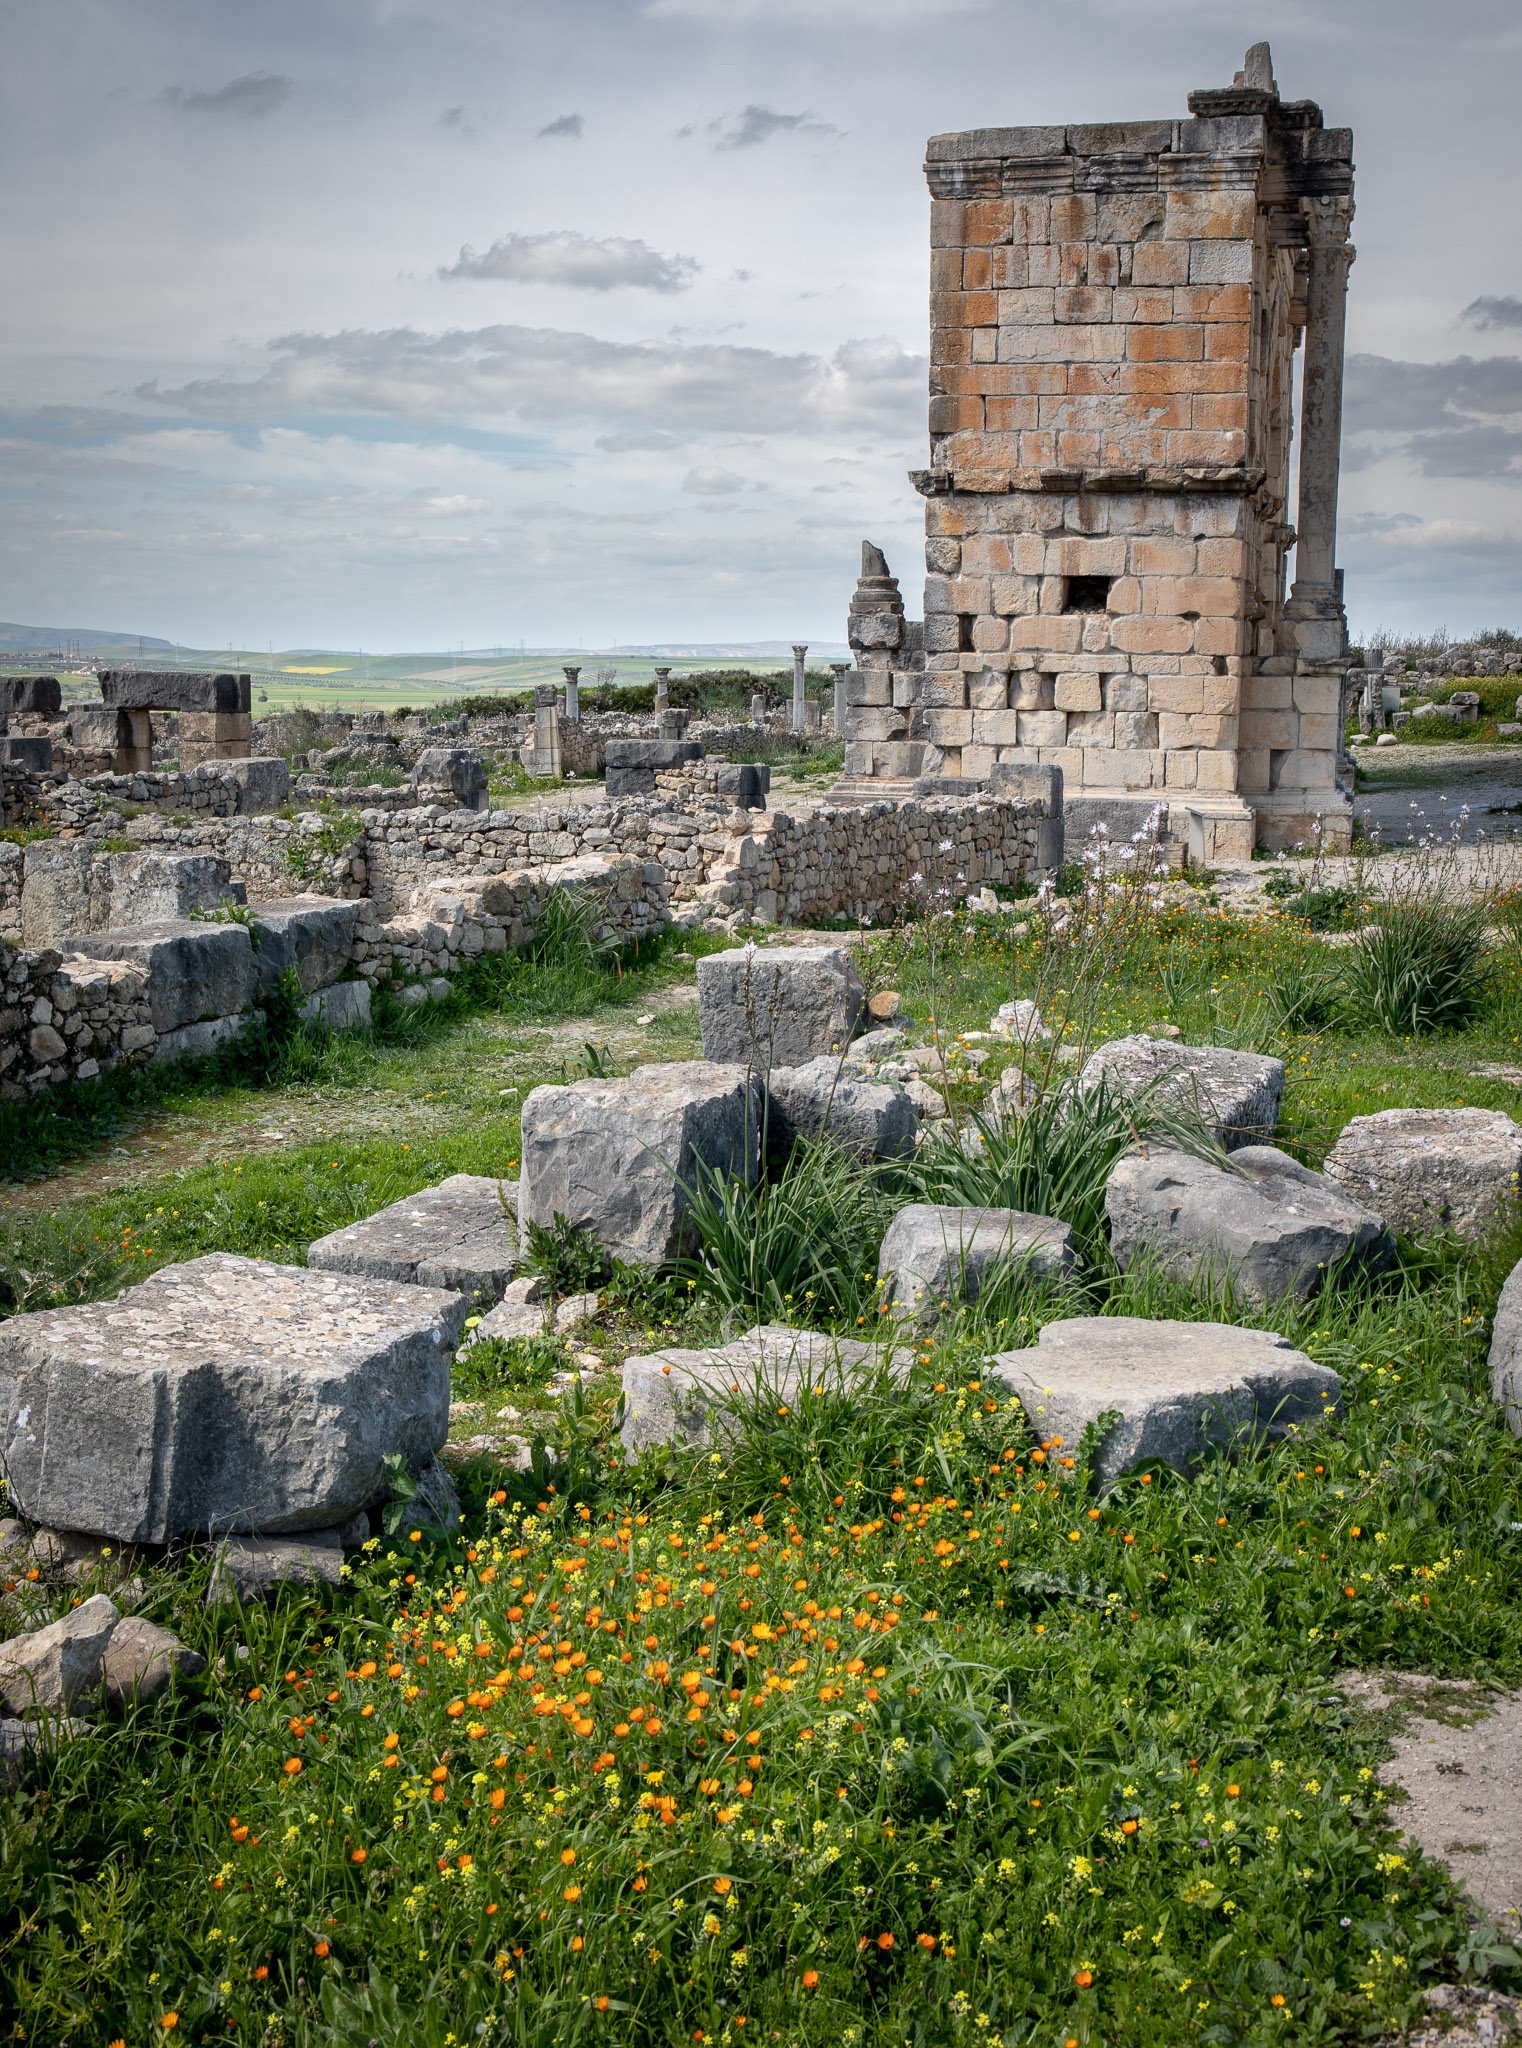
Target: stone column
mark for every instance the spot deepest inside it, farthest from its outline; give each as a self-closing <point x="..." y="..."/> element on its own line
<point x="758" y="709"/>
<point x="662" y="689"/>
<point x="798" y="654"/>
<point x="1330" y="254"/>
<point x="840" y="670"/>
<point x="572" y="695"/>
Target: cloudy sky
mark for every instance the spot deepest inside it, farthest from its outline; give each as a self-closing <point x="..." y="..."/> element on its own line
<point x="418" y="323"/>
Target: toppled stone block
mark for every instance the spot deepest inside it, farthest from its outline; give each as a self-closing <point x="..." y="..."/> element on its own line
<point x="1235" y="1094"/>
<point x="1506" y="1350"/>
<point x="778" y="1006"/>
<point x="48" y="1670"/>
<point x="1177" y="1387"/>
<point x="617" y="1156"/>
<point x="191" y="971"/>
<point x="457" y="1235"/>
<point x="142" y="1660"/>
<point x="263" y="782"/>
<point x="868" y="1118"/>
<point x="227" y="1394"/>
<point x="1268" y="1224"/>
<point x="249" y="1569"/>
<point x="688" y="1397"/>
<point x="933" y="1257"/>
<point x="314" y="935"/>
<point x="1431" y="1169"/>
<point x="131" y="689"/>
<point x="343" y="1007"/>
<point x="38" y="695"/>
<point x="451" y="774"/>
<point x="511" y="1319"/>
<point x="30" y="751"/>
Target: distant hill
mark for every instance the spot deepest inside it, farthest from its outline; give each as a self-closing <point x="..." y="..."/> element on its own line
<point x="80" y="636"/>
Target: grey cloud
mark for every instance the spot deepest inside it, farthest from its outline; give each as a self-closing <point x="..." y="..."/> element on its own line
<point x="1493" y="313"/>
<point x="1453" y="419"/>
<point x="713" y="483"/>
<point x="251" y="97"/>
<point x="614" y="264"/>
<point x="631" y="444"/>
<point x="754" y="125"/>
<point x="554" y="374"/>
<point x="569" y="124"/>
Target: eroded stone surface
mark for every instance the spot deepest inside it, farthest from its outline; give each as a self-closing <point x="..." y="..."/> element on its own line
<point x="778" y="1006"/>
<point x="141" y="1660"/>
<point x="1266" y="1223"/>
<point x="617" y="1156"/>
<point x="1506" y="1350"/>
<point x="683" y="1396"/>
<point x="869" y="1118"/>
<point x="460" y="1234"/>
<point x="1176" y="1387"/>
<point x="252" y="1568"/>
<point x="934" y="1256"/>
<point x="1236" y="1094"/>
<point x="193" y="971"/>
<point x="48" y="1670"/>
<point x="227" y="1394"/>
<point x="1431" y="1169"/>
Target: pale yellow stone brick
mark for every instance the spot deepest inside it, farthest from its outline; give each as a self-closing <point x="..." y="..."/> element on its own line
<point x="1077" y="691"/>
<point x="1216" y="769"/>
<point x="947" y="728"/>
<point x="1175" y="694"/>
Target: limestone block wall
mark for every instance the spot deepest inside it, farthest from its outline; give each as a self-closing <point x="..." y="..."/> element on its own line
<point x="269" y="856"/>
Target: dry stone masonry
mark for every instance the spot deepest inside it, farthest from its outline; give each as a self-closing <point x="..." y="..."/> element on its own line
<point x="1115" y="311"/>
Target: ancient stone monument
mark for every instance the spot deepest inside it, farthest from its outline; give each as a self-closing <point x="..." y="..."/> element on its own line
<point x="216" y="722"/>
<point x="541" y="755"/>
<point x="1115" y="311"/>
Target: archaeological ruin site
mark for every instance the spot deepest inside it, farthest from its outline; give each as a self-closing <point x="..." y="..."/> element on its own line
<point x="890" y="1407"/>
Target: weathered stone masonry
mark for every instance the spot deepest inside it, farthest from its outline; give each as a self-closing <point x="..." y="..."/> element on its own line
<point x="1115" y="311"/>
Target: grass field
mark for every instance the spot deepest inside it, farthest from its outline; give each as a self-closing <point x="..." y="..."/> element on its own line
<point x="883" y="1724"/>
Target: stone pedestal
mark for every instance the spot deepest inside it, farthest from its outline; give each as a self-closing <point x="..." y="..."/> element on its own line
<point x="211" y="736"/>
<point x="541" y="759"/>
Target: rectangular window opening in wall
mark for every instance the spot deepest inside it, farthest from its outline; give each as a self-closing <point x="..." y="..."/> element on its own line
<point x="1088" y="594"/>
<point x="965" y="622"/>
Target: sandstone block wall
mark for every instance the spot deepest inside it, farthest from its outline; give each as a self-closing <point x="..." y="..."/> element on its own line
<point x="1115" y="311"/>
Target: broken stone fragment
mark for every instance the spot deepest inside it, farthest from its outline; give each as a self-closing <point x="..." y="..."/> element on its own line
<point x="1236" y="1095"/>
<point x="934" y="1256"/>
<point x="1506" y="1350"/>
<point x="48" y="1669"/>
<point x="461" y="1234"/>
<point x="252" y="1568"/>
<point x="868" y="1118"/>
<point x="1266" y="1223"/>
<point x="141" y="1660"/>
<point x="687" y="1397"/>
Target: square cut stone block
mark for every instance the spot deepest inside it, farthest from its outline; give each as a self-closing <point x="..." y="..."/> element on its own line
<point x="1431" y="1169"/>
<point x="312" y="934"/>
<point x="617" y="1157"/>
<point x="227" y="1395"/>
<point x="933" y="1256"/>
<point x="1236" y="1094"/>
<point x="778" y="1005"/>
<point x="462" y="1234"/>
<point x="193" y="971"/>
<point x="1176" y="1387"/>
<point x="690" y="1397"/>
<point x="867" y="1117"/>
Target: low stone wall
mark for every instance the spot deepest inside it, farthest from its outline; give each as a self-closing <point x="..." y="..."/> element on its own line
<point x="270" y="856"/>
<point x="65" y="1018"/>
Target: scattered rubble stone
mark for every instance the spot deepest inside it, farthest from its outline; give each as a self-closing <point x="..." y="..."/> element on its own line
<point x="1175" y="1386"/>
<point x="1506" y="1350"/>
<point x="1431" y="1169"/>
<point x="1268" y="1224"/>
<point x="1236" y="1093"/>
<point x="21" y="1739"/>
<point x="933" y="1256"/>
<point x="48" y="1670"/>
<point x="254" y="1568"/>
<point x="141" y="1660"/>
<point x="780" y="1006"/>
